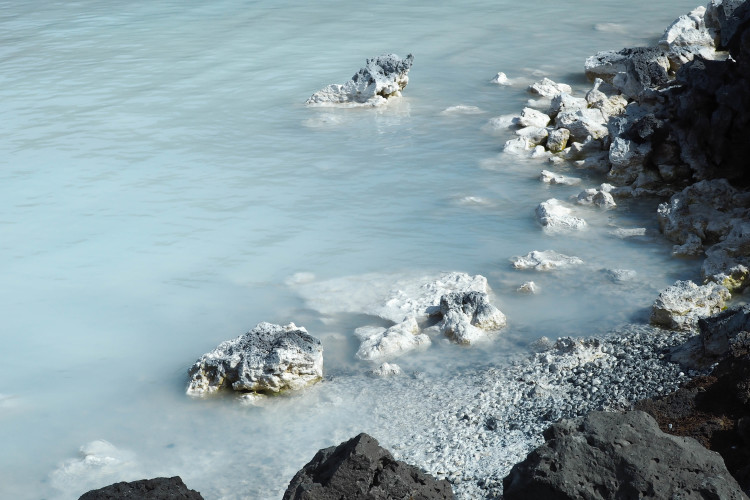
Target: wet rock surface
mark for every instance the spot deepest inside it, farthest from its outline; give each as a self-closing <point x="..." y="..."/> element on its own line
<point x="160" y="488"/>
<point x="619" y="455"/>
<point x="361" y="469"/>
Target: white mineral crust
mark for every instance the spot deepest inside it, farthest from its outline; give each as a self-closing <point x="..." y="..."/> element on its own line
<point x="681" y="305"/>
<point x="547" y="260"/>
<point x="380" y="343"/>
<point x="554" y="216"/>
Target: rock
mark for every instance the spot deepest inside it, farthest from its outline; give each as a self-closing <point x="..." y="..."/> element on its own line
<point x="621" y="275"/>
<point x="558" y="139"/>
<point x="267" y="359"/>
<point x="160" y="488"/>
<point x="533" y="118"/>
<point x="682" y="304"/>
<point x="520" y="146"/>
<point x="381" y="343"/>
<point x="461" y="109"/>
<point x="548" y="88"/>
<point x="631" y="71"/>
<point x="381" y="78"/>
<point x="360" y="469"/>
<point x="618" y="455"/>
<point x="688" y="37"/>
<point x="529" y="288"/>
<point x="499" y="125"/>
<point x="717" y="331"/>
<point x="583" y="123"/>
<point x="627" y="158"/>
<point x="553" y="178"/>
<point x="628" y="232"/>
<point x="97" y="463"/>
<point x="547" y="260"/>
<point x="727" y="261"/>
<point x="566" y="102"/>
<point x="609" y="105"/>
<point x="599" y="197"/>
<point x="501" y="79"/>
<point x="467" y="317"/>
<point x="533" y="135"/>
<point x="726" y="18"/>
<point x="387" y="370"/>
<point x="554" y="216"/>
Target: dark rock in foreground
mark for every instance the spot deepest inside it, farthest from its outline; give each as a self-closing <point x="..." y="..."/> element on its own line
<point x="361" y="469"/>
<point x="160" y="488"/>
<point x="619" y="455"/>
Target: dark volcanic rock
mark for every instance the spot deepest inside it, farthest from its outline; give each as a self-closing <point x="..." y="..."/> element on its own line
<point x="619" y="455"/>
<point x="361" y="469"/>
<point x="160" y="488"/>
<point x="717" y="331"/>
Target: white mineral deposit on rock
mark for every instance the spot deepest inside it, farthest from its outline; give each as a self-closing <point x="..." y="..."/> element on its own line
<point x="681" y="305"/>
<point x="547" y="260"/>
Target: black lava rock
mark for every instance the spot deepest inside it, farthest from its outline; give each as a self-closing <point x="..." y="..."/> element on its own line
<point x="160" y="488"/>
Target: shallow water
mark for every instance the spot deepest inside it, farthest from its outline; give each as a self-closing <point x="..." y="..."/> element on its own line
<point x="163" y="183"/>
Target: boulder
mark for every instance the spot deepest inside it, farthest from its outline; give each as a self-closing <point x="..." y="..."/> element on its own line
<point x="387" y="370"/>
<point x="534" y="135"/>
<point x="558" y="139"/>
<point x="533" y="118"/>
<point x="681" y="305"/>
<point x="468" y="317"/>
<point x="160" y="488"/>
<point x="501" y="79"/>
<point x="728" y="261"/>
<point x="609" y="105"/>
<point x="619" y="455"/>
<point x="380" y="343"/>
<point x="267" y="359"/>
<point x="547" y="260"/>
<point x="554" y="216"/>
<point x="620" y="275"/>
<point x="553" y="178"/>
<point x="566" y="102"/>
<point x="382" y="77"/>
<point x="600" y="197"/>
<point x="632" y="71"/>
<point x="359" y="469"/>
<point x="583" y="123"/>
<point x="548" y="88"/>
<point x="628" y="159"/>
<point x="528" y="288"/>
<point x="717" y="331"/>
<point x="688" y="37"/>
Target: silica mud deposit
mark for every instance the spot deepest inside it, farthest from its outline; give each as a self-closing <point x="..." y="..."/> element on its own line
<point x="167" y="189"/>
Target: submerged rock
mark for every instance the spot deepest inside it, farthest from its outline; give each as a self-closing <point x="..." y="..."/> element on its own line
<point x="267" y="359"/>
<point x="554" y="216"/>
<point x="547" y="260"/>
<point x="359" y="469"/>
<point x="619" y="455"/>
<point x="600" y="197"/>
<point x="387" y="370"/>
<point x="684" y="303"/>
<point x="380" y="343"/>
<point x="468" y="317"/>
<point x="553" y="178"/>
<point x="548" y="88"/>
<point x="381" y="78"/>
<point x="160" y="488"/>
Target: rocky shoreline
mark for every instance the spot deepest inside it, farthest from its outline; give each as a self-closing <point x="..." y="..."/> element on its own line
<point x="664" y="121"/>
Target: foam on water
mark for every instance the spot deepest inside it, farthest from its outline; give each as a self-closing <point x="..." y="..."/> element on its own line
<point x="165" y="189"/>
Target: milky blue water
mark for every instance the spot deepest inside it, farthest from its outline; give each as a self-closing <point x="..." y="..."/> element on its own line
<point x="161" y="181"/>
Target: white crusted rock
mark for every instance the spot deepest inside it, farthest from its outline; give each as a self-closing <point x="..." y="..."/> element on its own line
<point x="566" y="102"/>
<point x="520" y="146"/>
<point x="468" y="317"/>
<point x="681" y="305"/>
<point x="609" y="105"/>
<point x="380" y="343"/>
<point x="387" y="370"/>
<point x="382" y="77"/>
<point x="600" y="197"/>
<point x="547" y="260"/>
<point x="558" y="139"/>
<point x="620" y="275"/>
<point x="627" y="158"/>
<point x="583" y="123"/>
<point x="552" y="178"/>
<point x="727" y="262"/>
<point x="461" y="109"/>
<point x="267" y="359"/>
<point x="533" y="118"/>
<point x="687" y="37"/>
<point x="553" y="215"/>
<point x="528" y="288"/>
<point x="501" y="79"/>
<point x="534" y="135"/>
<point x="548" y="88"/>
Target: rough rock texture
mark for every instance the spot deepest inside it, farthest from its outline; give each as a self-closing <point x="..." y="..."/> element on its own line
<point x="359" y="469"/>
<point x="583" y="123"/>
<point x="547" y="88"/>
<point x="684" y="303"/>
<point x="382" y="77"/>
<point x="532" y="118"/>
<point x="688" y="37"/>
<point x="558" y="139"/>
<point x="267" y="359"/>
<point x="468" y="317"/>
<point x="160" y="488"/>
<point x="600" y="197"/>
<point x="387" y="370"/>
<point x="632" y="70"/>
<point x="719" y="330"/>
<point x="547" y="260"/>
<point x="554" y="216"/>
<point x="619" y="455"/>
<point x="380" y="343"/>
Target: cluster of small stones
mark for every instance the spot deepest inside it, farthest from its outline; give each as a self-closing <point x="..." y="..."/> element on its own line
<point x="476" y="438"/>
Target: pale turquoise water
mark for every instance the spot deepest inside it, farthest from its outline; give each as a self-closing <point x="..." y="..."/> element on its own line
<point x="162" y="179"/>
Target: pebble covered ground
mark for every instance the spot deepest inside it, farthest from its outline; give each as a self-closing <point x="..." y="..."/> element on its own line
<point x="471" y="428"/>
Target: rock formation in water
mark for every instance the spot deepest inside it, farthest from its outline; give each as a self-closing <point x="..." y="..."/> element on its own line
<point x="267" y="359"/>
<point x="619" y="455"/>
<point x="684" y="303"/>
<point x="359" y="469"/>
<point x="381" y="78"/>
<point x="160" y="488"/>
<point x="467" y="317"/>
